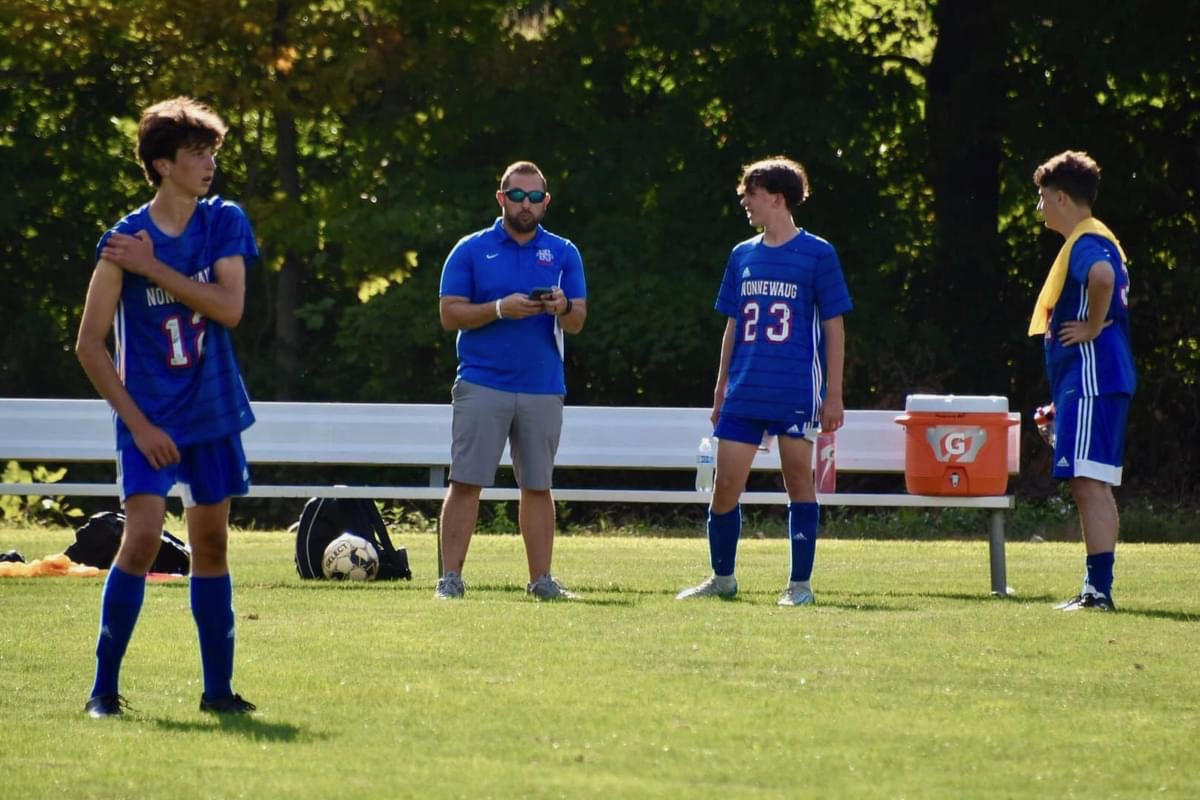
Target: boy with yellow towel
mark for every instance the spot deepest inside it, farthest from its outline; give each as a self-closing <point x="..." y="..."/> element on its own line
<point x="1083" y="314"/>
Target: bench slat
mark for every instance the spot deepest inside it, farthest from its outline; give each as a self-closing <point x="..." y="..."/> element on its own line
<point x="573" y="495"/>
<point x="395" y="434"/>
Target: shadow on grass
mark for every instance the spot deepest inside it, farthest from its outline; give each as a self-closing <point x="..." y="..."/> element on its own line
<point x="584" y="596"/>
<point x="771" y="598"/>
<point x="850" y="605"/>
<point x="1173" y="616"/>
<point x="341" y="586"/>
<point x="1048" y="600"/>
<point x="245" y="726"/>
<point x="980" y="597"/>
<point x="588" y="600"/>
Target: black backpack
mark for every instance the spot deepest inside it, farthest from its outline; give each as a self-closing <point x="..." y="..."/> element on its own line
<point x="324" y="519"/>
<point x="97" y="540"/>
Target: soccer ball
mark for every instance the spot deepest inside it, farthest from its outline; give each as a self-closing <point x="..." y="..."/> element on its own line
<point x="350" y="557"/>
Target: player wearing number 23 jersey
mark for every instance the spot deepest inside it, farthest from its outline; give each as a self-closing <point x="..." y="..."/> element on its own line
<point x="179" y="366"/>
<point x="780" y="372"/>
<point x="778" y="297"/>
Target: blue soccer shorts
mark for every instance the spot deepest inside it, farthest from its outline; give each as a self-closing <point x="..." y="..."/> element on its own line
<point x="1090" y="437"/>
<point x="207" y="473"/>
<point x="753" y="431"/>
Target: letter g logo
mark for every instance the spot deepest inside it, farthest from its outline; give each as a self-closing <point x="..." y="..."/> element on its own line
<point x="955" y="443"/>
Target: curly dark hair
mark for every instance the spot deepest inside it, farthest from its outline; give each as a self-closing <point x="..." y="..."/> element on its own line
<point x="1073" y="172"/>
<point x="777" y="175"/>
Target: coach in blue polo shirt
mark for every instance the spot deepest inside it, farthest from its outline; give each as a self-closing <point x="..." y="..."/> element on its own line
<point x="510" y="291"/>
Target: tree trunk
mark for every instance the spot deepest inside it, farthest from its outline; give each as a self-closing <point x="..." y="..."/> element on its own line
<point x="965" y="111"/>
<point x="287" y="296"/>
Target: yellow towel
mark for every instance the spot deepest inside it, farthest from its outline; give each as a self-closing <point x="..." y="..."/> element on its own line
<point x="1057" y="277"/>
<point x="57" y="564"/>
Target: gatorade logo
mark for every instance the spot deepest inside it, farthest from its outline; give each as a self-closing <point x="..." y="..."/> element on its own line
<point x="955" y="443"/>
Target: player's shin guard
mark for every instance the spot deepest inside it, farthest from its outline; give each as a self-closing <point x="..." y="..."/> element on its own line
<point x="212" y="608"/>
<point x="120" y="606"/>
<point x="803" y="519"/>
<point x="724" y="530"/>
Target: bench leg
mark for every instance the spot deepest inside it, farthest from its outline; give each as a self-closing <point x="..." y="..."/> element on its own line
<point x="996" y="548"/>
<point x="437" y="477"/>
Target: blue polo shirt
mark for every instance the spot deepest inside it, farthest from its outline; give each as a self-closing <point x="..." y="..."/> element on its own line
<point x="512" y="355"/>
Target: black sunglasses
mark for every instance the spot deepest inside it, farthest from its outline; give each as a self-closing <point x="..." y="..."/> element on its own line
<point x="517" y="195"/>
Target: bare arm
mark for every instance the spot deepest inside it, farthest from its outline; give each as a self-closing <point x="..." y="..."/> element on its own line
<point x="460" y="314"/>
<point x="723" y="369"/>
<point x="221" y="300"/>
<point x="104" y="292"/>
<point x="833" y="410"/>
<point x="571" y="321"/>
<point x="1101" y="280"/>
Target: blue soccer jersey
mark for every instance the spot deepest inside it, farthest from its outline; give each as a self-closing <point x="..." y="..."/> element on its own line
<point x="778" y="297"/>
<point x="178" y="365"/>
<point x="1105" y="364"/>
<point x="512" y="355"/>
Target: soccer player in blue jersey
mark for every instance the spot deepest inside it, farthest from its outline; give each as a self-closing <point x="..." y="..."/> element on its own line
<point x="510" y="291"/>
<point x="1082" y="314"/>
<point x="780" y="371"/>
<point x="169" y="284"/>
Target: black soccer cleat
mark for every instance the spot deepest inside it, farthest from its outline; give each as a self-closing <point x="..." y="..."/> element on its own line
<point x="1093" y="601"/>
<point x="105" y="705"/>
<point x="233" y="704"/>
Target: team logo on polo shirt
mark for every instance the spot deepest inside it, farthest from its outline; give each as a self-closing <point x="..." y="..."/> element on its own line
<point x="544" y="256"/>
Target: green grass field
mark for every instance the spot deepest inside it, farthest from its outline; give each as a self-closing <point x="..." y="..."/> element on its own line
<point x="906" y="681"/>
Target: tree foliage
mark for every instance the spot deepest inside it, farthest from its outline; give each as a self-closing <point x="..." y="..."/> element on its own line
<point x="367" y="137"/>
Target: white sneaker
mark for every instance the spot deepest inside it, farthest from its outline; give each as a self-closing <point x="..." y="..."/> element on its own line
<point x="547" y="587"/>
<point x="713" y="586"/>
<point x="797" y="593"/>
<point x="450" y="587"/>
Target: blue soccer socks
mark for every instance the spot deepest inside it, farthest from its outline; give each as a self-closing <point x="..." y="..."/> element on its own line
<point x="212" y="608"/>
<point x="1100" y="573"/>
<point x="724" y="530"/>
<point x="803" y="519"/>
<point x="120" y="604"/>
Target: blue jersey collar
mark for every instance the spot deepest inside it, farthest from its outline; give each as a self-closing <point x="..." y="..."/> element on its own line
<point x="502" y="236"/>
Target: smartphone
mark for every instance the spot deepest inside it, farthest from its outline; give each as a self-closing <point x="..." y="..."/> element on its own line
<point x="541" y="293"/>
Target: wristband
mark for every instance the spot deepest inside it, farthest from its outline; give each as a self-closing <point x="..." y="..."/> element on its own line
<point x="567" y="310"/>
<point x="499" y="313"/>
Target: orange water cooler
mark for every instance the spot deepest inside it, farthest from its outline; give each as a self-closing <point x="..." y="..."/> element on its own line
<point x="956" y="444"/>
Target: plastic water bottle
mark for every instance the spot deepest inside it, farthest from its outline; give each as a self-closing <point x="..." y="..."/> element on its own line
<point x="705" y="466"/>
<point x="1043" y="417"/>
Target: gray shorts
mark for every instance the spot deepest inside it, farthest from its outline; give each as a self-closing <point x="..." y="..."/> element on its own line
<point x="484" y="419"/>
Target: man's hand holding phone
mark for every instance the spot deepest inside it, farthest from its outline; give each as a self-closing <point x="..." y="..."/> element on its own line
<point x="552" y="299"/>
